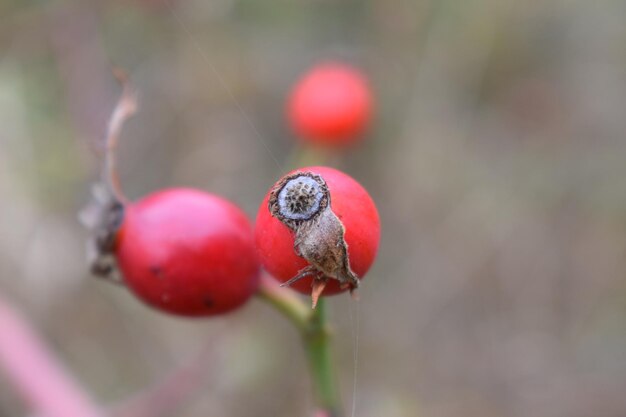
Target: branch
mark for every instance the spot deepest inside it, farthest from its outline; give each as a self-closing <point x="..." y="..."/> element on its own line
<point x="316" y="338"/>
<point x="165" y="397"/>
<point x="285" y="301"/>
<point x="125" y="108"/>
<point x="36" y="373"/>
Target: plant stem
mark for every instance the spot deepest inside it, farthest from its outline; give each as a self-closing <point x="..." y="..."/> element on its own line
<point x="125" y="108"/>
<point x="36" y="372"/>
<point x="316" y="335"/>
<point x="286" y="302"/>
<point x="317" y="344"/>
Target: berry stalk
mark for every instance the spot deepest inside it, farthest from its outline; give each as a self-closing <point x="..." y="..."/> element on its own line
<point x="316" y="336"/>
<point x="285" y="301"/>
<point x="317" y="344"/>
<point x="126" y="107"/>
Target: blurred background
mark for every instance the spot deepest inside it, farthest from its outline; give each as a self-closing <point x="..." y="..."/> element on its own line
<point x="497" y="160"/>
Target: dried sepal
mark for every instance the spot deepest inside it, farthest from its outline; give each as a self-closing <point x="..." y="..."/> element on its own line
<point x="302" y="202"/>
<point x="104" y="214"/>
<point x="103" y="217"/>
<point x="299" y="198"/>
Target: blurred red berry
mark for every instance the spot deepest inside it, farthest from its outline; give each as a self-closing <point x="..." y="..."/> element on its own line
<point x="354" y="207"/>
<point x="187" y="252"/>
<point x="331" y="105"/>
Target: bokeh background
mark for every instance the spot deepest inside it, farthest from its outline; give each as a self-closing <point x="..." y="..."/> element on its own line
<point x="497" y="159"/>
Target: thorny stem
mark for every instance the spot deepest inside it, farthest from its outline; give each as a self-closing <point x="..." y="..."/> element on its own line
<point x="316" y="336"/>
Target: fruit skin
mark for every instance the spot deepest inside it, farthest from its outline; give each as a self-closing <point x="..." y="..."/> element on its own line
<point x="331" y="105"/>
<point x="187" y="252"/>
<point x="356" y="210"/>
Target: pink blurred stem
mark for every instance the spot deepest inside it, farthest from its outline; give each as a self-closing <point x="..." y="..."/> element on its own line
<point x="166" y="396"/>
<point x="36" y="373"/>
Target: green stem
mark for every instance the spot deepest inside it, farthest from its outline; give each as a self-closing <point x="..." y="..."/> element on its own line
<point x="302" y="156"/>
<point x="317" y="344"/>
<point x="286" y="302"/>
<point x="316" y="337"/>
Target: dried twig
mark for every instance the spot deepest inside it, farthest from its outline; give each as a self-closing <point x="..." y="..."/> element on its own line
<point x="125" y="108"/>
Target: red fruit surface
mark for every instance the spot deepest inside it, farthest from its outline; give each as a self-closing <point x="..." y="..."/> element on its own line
<point x="354" y="207"/>
<point x="187" y="252"/>
<point x="331" y="105"/>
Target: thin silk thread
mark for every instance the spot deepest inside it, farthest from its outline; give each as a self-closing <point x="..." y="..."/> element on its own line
<point x="354" y="325"/>
<point x="227" y="89"/>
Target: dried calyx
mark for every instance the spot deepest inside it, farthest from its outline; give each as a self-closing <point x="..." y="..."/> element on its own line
<point x="301" y="201"/>
<point x="299" y="198"/>
<point x="103" y="216"/>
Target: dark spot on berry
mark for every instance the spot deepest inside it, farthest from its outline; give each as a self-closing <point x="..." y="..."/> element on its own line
<point x="157" y="271"/>
<point x="208" y="302"/>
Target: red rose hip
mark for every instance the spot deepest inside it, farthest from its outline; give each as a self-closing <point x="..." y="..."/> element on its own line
<point x="317" y="225"/>
<point x="182" y="251"/>
<point x="331" y="105"/>
<point x="187" y="252"/>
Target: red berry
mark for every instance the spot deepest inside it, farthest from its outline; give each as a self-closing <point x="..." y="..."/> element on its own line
<point x="187" y="252"/>
<point x="330" y="105"/>
<point x="351" y="203"/>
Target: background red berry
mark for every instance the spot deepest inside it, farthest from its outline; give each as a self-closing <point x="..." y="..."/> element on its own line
<point x="330" y="105"/>
<point x="187" y="252"/>
<point x="354" y="207"/>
